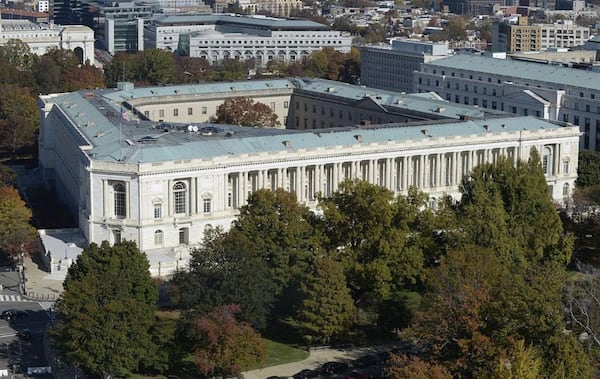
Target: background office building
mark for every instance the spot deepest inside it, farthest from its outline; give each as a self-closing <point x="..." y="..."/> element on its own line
<point x="215" y="37"/>
<point x="391" y="67"/>
<point x="548" y="91"/>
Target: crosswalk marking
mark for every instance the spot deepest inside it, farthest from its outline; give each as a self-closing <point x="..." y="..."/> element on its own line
<point x="12" y="298"/>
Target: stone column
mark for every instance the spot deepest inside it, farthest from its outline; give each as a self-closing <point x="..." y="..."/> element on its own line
<point x="106" y="207"/>
<point x="244" y="187"/>
<point x="170" y="198"/>
<point x="193" y="196"/>
<point x="336" y="176"/>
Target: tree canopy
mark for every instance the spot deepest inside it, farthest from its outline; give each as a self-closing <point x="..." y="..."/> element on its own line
<point x="226" y="346"/>
<point x="246" y="112"/>
<point x="16" y="234"/>
<point x="106" y="310"/>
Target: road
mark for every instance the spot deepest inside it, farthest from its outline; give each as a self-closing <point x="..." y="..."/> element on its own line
<point x="17" y="354"/>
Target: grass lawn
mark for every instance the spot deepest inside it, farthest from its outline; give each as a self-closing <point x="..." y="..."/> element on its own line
<point x="277" y="354"/>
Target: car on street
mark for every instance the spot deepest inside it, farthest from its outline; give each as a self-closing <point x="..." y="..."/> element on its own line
<point x="331" y="368"/>
<point x="307" y="374"/>
<point x="12" y="314"/>
<point x="24" y="334"/>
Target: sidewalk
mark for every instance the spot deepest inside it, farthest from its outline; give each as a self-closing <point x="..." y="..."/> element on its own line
<point x="315" y="360"/>
<point x="40" y="285"/>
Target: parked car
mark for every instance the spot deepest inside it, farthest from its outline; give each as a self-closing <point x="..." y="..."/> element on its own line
<point x="307" y="374"/>
<point x="366" y="361"/>
<point x="331" y="368"/>
<point x="24" y="334"/>
<point x="12" y="314"/>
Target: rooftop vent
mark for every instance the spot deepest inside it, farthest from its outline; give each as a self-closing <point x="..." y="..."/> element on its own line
<point x="99" y="134"/>
<point x="486" y="126"/>
<point x="425" y="132"/>
<point x="359" y="137"/>
<point x="287" y="143"/>
<point x="440" y="109"/>
<point x="331" y="89"/>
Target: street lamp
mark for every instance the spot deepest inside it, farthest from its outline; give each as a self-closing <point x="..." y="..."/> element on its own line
<point x="22" y="264"/>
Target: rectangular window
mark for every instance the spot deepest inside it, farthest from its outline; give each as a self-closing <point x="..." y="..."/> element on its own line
<point x="190" y="111"/>
<point x="286" y="104"/>
<point x="203" y="110"/>
<point x="206" y="205"/>
<point x="157" y="211"/>
<point x="147" y="114"/>
<point x="158" y="238"/>
<point x="513" y="109"/>
<point x="161" y="113"/>
<point x="272" y="105"/>
<point x="565" y="167"/>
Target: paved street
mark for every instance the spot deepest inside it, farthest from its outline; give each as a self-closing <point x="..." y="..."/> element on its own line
<point x="16" y="353"/>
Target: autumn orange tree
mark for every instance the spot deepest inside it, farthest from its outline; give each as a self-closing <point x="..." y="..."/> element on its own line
<point x="226" y="346"/>
<point x="246" y="112"/>
<point x="16" y="231"/>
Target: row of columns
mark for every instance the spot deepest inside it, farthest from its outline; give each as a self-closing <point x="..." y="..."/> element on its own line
<point x="396" y="174"/>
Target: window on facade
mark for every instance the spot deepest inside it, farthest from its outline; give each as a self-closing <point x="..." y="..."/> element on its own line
<point x="158" y="238"/>
<point x="206" y="205"/>
<point x="157" y="211"/>
<point x="566" y="190"/>
<point x="180" y="197"/>
<point x="565" y="167"/>
<point x="547" y="161"/>
<point x="175" y="112"/>
<point x="147" y="114"/>
<point x="513" y="109"/>
<point x="203" y="110"/>
<point x="161" y="113"/>
<point x="272" y="105"/>
<point x="190" y="111"/>
<point x="119" y="200"/>
<point x="117" y="236"/>
<point x="184" y="236"/>
<point x="286" y="104"/>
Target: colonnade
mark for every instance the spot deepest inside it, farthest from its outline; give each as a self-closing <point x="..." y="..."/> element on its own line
<point x="431" y="171"/>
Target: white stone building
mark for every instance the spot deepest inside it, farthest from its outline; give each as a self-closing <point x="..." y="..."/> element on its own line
<point x="391" y="67"/>
<point x="162" y="183"/>
<point x="531" y="89"/>
<point x="218" y="36"/>
<point x="42" y="37"/>
<point x="564" y="33"/>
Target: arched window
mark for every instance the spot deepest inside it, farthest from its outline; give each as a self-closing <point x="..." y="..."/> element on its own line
<point x="158" y="238"/>
<point x="180" y="198"/>
<point x="566" y="190"/>
<point x="120" y="200"/>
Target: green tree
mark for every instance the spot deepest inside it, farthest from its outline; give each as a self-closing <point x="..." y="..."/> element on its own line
<point x="369" y="230"/>
<point x="17" y="234"/>
<point x="226" y="346"/>
<point x="162" y="353"/>
<point x="19" y="119"/>
<point x="106" y="311"/>
<point x="158" y="66"/>
<point x="17" y="54"/>
<point x="246" y="112"/>
<point x="508" y="208"/>
<point x="326" y="308"/>
<point x="226" y="271"/>
<point x="230" y="70"/>
<point x="456" y="28"/>
<point x="522" y="362"/>
<point x="280" y="232"/>
<point x="588" y="169"/>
